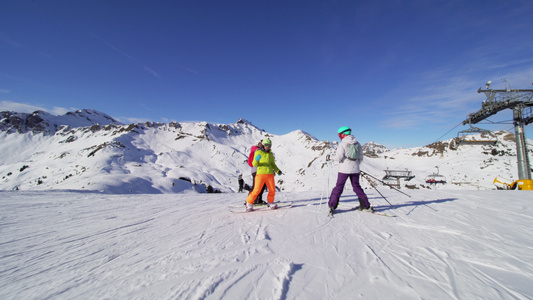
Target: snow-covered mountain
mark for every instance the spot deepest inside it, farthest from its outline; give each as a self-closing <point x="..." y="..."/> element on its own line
<point x="43" y="122"/>
<point x="89" y="150"/>
<point x="372" y="149"/>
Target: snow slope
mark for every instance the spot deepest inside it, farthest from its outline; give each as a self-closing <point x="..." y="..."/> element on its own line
<point x="442" y="245"/>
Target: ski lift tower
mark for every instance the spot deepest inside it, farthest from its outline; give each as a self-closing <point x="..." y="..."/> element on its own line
<point x="518" y="101"/>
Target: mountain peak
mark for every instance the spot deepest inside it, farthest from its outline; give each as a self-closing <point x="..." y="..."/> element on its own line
<point x="372" y="149"/>
<point x="243" y="121"/>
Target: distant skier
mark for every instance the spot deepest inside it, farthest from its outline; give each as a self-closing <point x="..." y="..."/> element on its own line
<point x="266" y="167"/>
<point x="259" y="199"/>
<point x="349" y="155"/>
<point x="241" y="183"/>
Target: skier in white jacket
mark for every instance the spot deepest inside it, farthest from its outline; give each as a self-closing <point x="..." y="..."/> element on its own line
<point x="348" y="168"/>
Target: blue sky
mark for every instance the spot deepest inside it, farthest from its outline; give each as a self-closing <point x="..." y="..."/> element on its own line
<point x="400" y="73"/>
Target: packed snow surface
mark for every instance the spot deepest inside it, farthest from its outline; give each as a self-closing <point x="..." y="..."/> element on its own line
<point x="441" y="245"/>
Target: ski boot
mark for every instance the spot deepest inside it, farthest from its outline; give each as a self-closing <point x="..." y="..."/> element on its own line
<point x="272" y="206"/>
<point x="331" y="211"/>
<point x="371" y="209"/>
<point x="249" y="207"/>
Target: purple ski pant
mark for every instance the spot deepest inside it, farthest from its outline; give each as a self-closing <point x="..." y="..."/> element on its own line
<point x="339" y="187"/>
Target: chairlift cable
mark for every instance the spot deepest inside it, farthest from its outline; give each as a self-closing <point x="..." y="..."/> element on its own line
<point x="459" y="124"/>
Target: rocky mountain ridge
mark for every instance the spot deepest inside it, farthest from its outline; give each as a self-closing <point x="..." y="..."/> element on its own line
<point x="42" y="122"/>
<point x="200" y="156"/>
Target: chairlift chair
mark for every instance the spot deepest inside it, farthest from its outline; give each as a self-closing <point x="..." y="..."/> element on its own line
<point x="491" y="140"/>
<point x="392" y="177"/>
<point x="398" y="174"/>
<point x="436" y="178"/>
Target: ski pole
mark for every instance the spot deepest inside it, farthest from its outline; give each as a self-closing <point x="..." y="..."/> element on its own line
<point x="365" y="173"/>
<point x="322" y="196"/>
<point x="378" y="190"/>
<point x="327" y="181"/>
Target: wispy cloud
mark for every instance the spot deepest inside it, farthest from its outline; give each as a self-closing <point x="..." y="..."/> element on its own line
<point x="13" y="43"/>
<point x="438" y="103"/>
<point x="190" y="70"/>
<point x="8" y="40"/>
<point x="447" y="96"/>
<point x="128" y="56"/>
<point x="129" y="120"/>
<point x="149" y="70"/>
<point x="18" y="107"/>
<point x="6" y="105"/>
<point x="61" y="110"/>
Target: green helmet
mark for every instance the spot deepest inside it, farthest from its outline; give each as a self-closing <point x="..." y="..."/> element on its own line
<point x="344" y="130"/>
<point x="266" y="142"/>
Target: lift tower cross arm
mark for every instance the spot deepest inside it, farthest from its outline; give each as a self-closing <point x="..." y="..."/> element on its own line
<point x="498" y="100"/>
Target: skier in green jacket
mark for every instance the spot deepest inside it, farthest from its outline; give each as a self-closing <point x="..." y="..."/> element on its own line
<point x="266" y="167"/>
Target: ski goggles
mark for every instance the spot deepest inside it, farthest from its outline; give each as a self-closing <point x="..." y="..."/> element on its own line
<point x="345" y="132"/>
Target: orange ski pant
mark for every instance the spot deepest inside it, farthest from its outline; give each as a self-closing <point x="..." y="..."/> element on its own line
<point x="260" y="180"/>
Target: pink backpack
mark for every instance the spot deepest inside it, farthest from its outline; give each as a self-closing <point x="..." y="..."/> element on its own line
<point x="251" y="156"/>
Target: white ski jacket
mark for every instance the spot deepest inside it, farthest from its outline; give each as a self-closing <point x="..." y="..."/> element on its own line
<point x="346" y="165"/>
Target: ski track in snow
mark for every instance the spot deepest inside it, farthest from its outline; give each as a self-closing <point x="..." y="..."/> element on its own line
<point x="442" y="245"/>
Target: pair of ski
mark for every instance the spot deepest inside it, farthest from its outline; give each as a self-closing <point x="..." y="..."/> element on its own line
<point x="332" y="214"/>
<point x="259" y="207"/>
